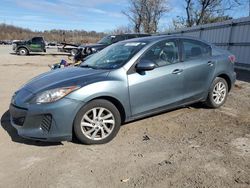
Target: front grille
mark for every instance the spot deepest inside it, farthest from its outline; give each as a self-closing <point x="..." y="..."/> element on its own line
<point x="46" y="122"/>
<point x="18" y="121"/>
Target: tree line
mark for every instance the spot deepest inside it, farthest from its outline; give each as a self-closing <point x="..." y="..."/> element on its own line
<point x="10" y="32"/>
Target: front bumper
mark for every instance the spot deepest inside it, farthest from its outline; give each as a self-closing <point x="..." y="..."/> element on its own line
<point x="46" y="122"/>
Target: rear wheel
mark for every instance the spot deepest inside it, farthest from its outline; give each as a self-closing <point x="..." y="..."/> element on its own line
<point x="23" y="51"/>
<point x="218" y="93"/>
<point x="98" y="122"/>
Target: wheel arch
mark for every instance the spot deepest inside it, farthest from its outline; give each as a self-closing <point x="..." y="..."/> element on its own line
<point x="23" y="47"/>
<point x="117" y="104"/>
<point x="227" y="78"/>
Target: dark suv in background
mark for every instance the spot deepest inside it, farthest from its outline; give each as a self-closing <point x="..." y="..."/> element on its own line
<point x="85" y="50"/>
<point x="36" y="44"/>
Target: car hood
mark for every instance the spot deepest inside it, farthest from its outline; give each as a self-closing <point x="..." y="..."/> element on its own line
<point x="63" y="78"/>
<point x="20" y="42"/>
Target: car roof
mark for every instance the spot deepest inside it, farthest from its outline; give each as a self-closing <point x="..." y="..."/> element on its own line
<point x="155" y="38"/>
<point x="131" y="34"/>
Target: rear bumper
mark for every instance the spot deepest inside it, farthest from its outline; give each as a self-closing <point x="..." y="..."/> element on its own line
<point x="47" y="122"/>
<point x="233" y="79"/>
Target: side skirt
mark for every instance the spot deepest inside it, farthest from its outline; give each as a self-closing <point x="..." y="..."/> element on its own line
<point x="160" y="110"/>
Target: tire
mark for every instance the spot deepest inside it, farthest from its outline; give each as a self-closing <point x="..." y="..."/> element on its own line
<point x="100" y="128"/>
<point x="217" y="94"/>
<point x="73" y="52"/>
<point x="23" y="51"/>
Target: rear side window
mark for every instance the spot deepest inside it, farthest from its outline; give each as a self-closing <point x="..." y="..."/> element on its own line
<point x="163" y="53"/>
<point x="195" y="49"/>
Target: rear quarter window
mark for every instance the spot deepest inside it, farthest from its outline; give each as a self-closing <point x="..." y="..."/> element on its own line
<point x="217" y="51"/>
<point x="195" y="49"/>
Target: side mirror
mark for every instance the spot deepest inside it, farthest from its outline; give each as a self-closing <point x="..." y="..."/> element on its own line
<point x="145" y="65"/>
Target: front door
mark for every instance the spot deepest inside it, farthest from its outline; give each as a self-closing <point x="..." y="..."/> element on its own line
<point x="36" y="45"/>
<point x="160" y="87"/>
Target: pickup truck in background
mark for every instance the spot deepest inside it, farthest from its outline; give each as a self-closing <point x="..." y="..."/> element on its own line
<point x="36" y="44"/>
<point x="85" y="50"/>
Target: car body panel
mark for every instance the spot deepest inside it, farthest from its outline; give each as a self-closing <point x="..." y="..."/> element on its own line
<point x="72" y="76"/>
<point x="154" y="86"/>
<point x="114" y="85"/>
<point x="198" y="75"/>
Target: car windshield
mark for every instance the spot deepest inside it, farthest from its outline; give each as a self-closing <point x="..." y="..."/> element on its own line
<point x="114" y="56"/>
<point x="106" y="40"/>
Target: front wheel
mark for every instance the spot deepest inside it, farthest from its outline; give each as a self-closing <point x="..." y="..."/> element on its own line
<point x="97" y="122"/>
<point x="23" y="51"/>
<point x="217" y="93"/>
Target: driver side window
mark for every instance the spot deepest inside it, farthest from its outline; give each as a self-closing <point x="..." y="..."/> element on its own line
<point x="36" y="40"/>
<point x="163" y="53"/>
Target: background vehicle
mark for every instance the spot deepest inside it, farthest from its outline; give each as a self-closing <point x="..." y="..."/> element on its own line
<point x="36" y="44"/>
<point x="85" y="50"/>
<point x="5" y="42"/>
<point x="123" y="82"/>
<point x="69" y="48"/>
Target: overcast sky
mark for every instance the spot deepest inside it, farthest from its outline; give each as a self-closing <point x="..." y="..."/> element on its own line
<point x="98" y="15"/>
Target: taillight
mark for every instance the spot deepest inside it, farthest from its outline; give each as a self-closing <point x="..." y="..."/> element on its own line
<point x="232" y="58"/>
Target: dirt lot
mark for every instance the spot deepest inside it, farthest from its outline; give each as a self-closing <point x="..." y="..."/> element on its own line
<point x="188" y="147"/>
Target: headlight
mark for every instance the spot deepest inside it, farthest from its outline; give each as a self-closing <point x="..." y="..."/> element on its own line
<point x="53" y="94"/>
<point x="94" y="50"/>
<point x="83" y="51"/>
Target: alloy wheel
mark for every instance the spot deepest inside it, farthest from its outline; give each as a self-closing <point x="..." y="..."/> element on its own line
<point x="97" y="123"/>
<point x="219" y="92"/>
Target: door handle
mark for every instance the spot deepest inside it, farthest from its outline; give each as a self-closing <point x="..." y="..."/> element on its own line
<point x="177" y="71"/>
<point x="210" y="63"/>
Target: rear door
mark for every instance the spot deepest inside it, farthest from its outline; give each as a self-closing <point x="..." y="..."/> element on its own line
<point x="160" y="87"/>
<point x="198" y="70"/>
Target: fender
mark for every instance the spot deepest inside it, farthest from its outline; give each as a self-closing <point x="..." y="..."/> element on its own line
<point x="22" y="46"/>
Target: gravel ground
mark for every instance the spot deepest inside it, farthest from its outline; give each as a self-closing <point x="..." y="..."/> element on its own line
<point x="187" y="147"/>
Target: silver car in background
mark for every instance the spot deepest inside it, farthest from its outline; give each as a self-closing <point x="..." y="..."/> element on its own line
<point x="125" y="81"/>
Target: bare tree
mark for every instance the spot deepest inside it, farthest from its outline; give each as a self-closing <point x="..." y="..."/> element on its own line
<point x="146" y="14"/>
<point x="154" y="10"/>
<point x="135" y="13"/>
<point x="206" y="11"/>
